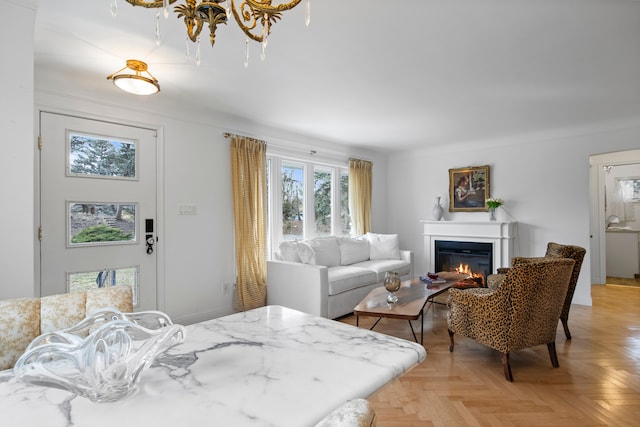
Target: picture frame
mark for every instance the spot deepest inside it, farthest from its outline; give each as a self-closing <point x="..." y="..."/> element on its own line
<point x="469" y="189"/>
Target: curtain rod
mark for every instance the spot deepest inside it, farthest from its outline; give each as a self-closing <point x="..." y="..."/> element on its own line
<point x="310" y="151"/>
<point x="235" y="135"/>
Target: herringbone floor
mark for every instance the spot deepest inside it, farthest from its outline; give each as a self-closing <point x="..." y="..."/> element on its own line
<point x="597" y="383"/>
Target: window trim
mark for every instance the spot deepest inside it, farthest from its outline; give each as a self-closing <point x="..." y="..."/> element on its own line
<point x="275" y="160"/>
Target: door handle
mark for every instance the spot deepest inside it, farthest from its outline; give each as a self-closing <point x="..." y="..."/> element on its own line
<point x="150" y="240"/>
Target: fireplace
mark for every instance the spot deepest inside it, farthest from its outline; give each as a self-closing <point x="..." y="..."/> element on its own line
<point x="499" y="235"/>
<point x="474" y="258"/>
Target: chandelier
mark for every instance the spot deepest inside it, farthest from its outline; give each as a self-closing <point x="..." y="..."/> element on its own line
<point x="254" y="17"/>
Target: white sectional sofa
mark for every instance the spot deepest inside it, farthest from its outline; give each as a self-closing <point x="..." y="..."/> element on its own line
<point x="329" y="276"/>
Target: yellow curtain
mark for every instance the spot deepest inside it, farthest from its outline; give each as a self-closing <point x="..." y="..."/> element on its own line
<point x="249" y="187"/>
<point x="360" y="195"/>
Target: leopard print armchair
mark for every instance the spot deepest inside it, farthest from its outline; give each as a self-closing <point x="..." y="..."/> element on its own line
<point x="554" y="250"/>
<point x="522" y="312"/>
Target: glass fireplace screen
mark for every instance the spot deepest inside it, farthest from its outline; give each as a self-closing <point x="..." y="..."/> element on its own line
<point x="474" y="258"/>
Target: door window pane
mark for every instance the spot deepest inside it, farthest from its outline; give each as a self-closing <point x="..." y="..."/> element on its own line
<point x="322" y="196"/>
<point x="101" y="279"/>
<point x="100" y="157"/>
<point x="101" y="224"/>
<point x="292" y="201"/>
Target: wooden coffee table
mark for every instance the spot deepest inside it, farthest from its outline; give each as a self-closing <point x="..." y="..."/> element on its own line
<point x="413" y="296"/>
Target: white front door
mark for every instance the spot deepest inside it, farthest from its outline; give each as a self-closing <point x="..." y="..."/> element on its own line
<point x="97" y="207"/>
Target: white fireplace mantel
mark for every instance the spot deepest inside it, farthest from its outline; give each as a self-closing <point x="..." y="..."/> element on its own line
<point x="500" y="234"/>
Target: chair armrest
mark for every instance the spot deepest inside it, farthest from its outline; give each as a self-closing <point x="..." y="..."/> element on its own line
<point x="303" y="287"/>
<point x="471" y="311"/>
<point x="495" y="280"/>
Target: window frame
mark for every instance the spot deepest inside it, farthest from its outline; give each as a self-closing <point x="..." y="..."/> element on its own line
<point x="275" y="162"/>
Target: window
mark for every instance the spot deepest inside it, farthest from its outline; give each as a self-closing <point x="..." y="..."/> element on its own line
<point x="322" y="196"/>
<point x="100" y="157"/>
<point x="630" y="189"/>
<point x="91" y="224"/>
<point x="292" y="178"/>
<point x="312" y="199"/>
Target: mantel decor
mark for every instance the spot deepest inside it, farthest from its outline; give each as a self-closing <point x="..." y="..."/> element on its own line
<point x="469" y="188"/>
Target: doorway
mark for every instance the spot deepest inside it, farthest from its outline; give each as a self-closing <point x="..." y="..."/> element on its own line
<point x="599" y="164"/>
<point x="98" y="207"/>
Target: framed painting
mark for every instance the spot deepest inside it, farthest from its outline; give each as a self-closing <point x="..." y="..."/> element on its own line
<point x="469" y="189"/>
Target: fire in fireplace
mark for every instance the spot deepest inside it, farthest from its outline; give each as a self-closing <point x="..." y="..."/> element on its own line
<point x="472" y="258"/>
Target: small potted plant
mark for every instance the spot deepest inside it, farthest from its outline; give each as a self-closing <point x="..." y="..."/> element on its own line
<point x="493" y="203"/>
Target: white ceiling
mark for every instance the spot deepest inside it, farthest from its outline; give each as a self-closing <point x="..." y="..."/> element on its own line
<point x="382" y="74"/>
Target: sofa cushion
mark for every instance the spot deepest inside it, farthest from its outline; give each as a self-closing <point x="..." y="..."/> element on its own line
<point x="346" y="277"/>
<point x="119" y="297"/>
<point x="20" y="320"/>
<point x="289" y="251"/>
<point x="62" y="311"/>
<point x="353" y="250"/>
<point x="380" y="267"/>
<point x="383" y="246"/>
<point x="320" y="251"/>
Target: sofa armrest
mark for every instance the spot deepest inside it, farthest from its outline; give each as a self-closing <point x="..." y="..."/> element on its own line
<point x="303" y="287"/>
<point x="408" y="256"/>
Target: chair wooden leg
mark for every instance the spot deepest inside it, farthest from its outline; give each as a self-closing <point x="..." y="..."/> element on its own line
<point x="506" y="366"/>
<point x="552" y="353"/>
<point x="566" y="328"/>
<point x="450" y="340"/>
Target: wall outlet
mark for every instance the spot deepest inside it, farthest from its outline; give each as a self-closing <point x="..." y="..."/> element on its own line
<point x="226" y="288"/>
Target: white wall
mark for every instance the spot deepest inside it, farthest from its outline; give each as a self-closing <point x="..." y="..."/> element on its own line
<point x="545" y="183"/>
<point x="17" y="149"/>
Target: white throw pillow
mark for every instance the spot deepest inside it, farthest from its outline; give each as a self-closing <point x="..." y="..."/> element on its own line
<point x="320" y="251"/>
<point x="383" y="246"/>
<point x="289" y="251"/>
<point x="353" y="250"/>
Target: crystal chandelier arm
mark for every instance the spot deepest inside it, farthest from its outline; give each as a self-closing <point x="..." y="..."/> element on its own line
<point x="266" y="6"/>
<point x="149" y="3"/>
<point x="250" y="11"/>
<point x="214" y="14"/>
<point x="192" y="19"/>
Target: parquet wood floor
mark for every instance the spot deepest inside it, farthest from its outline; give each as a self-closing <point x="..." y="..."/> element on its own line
<point x="597" y="383"/>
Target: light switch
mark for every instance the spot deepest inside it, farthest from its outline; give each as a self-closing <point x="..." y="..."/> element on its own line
<point x="187" y="209"/>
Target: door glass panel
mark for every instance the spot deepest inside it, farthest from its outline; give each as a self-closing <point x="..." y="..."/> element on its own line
<point x="101" y="279"/>
<point x="93" y="224"/>
<point x="100" y="157"/>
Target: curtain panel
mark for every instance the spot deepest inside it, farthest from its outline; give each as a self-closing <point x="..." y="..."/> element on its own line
<point x="360" y="195"/>
<point x="249" y="191"/>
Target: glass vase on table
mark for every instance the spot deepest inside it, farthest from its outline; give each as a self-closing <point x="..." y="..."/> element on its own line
<point x="392" y="285"/>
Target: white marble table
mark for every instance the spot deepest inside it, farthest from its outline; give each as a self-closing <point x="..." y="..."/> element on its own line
<point x="266" y="367"/>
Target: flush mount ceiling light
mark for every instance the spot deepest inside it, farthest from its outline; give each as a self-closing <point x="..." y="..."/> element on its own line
<point x="136" y="84"/>
<point x="254" y="17"/>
